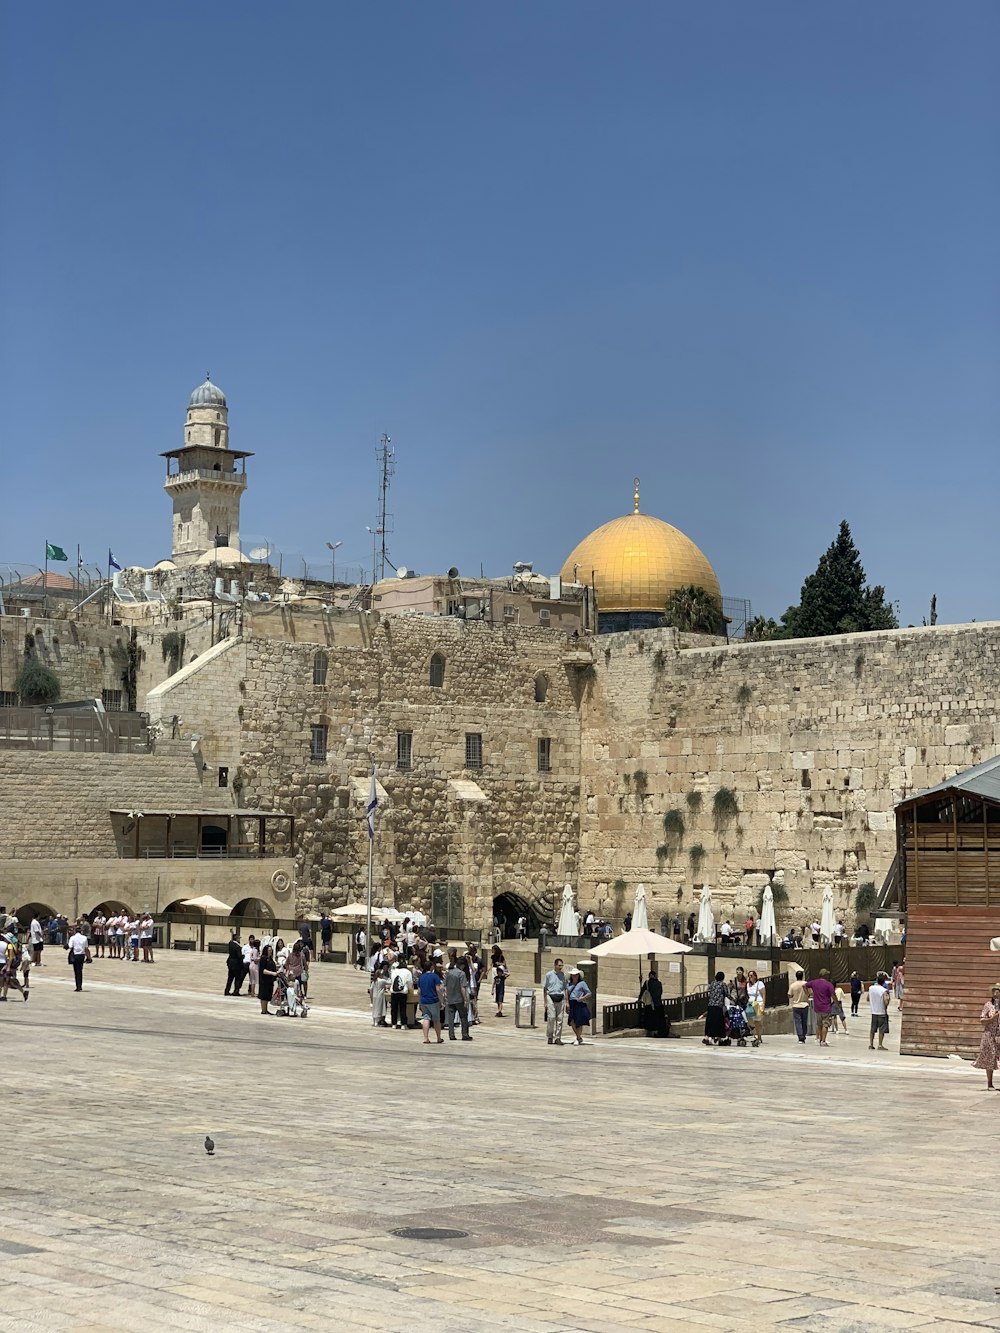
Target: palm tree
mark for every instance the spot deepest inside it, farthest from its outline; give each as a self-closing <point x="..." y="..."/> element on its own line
<point x="694" y="610"/>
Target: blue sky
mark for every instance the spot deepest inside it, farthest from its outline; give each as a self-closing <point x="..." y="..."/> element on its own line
<point x="747" y="252"/>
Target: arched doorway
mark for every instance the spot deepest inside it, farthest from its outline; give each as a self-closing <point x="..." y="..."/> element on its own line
<point x="255" y="911"/>
<point x="110" y="907"/>
<point x="41" y="910"/>
<point x="507" y="908"/>
<point x="214" y="839"/>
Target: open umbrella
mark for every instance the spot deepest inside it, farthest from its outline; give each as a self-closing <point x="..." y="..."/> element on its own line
<point x="767" y="927"/>
<point x="567" y="916"/>
<point x="705" y="932"/>
<point x="206" y="903"/>
<point x="642" y="943"/>
<point x="827" y="920"/>
<point x="639" y="919"/>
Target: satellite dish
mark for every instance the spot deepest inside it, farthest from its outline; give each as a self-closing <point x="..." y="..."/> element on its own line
<point x="453" y="572"/>
<point x="260" y="553"/>
<point x="402" y="572"/>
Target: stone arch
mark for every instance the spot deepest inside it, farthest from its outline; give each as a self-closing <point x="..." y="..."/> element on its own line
<point x="437" y="670"/>
<point x="511" y="905"/>
<point x="41" y="910"/>
<point x="252" y="907"/>
<point x="109" y="906"/>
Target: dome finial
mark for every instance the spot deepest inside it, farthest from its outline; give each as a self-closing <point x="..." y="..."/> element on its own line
<point x="636" y="496"/>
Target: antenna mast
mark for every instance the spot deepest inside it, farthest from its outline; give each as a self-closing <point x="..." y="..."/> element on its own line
<point x="387" y="466"/>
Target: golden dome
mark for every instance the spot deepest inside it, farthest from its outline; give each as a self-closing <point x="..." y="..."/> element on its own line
<point x="636" y="562"/>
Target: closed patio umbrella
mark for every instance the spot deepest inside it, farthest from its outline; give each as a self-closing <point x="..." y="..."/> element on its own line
<point x="767" y="927"/>
<point x="639" y="919"/>
<point x="827" y="920"/>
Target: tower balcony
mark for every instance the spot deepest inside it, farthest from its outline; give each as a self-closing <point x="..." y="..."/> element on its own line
<point x="200" y="475"/>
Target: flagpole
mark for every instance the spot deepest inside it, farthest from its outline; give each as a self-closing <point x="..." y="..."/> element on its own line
<point x="107" y="591"/>
<point x="368" y="918"/>
<point x="45" y="578"/>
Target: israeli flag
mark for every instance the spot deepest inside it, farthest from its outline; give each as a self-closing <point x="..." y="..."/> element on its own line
<point x="112" y="562"/>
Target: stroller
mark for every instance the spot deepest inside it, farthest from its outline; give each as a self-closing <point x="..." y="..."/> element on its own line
<point x="737" y="1028"/>
<point x="291" y="1002"/>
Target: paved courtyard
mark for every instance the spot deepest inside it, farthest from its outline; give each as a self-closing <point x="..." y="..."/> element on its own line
<point x="624" y="1185"/>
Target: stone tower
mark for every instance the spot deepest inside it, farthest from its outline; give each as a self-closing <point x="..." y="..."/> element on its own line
<point x="205" y="479"/>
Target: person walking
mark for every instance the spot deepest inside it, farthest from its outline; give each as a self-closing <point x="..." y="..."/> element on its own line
<point x="651" y="999"/>
<point x="234" y="966"/>
<point x="839" y="1017"/>
<point x="878" y="1001"/>
<point x="856" y="989"/>
<point x="554" y="992"/>
<point x="715" y="1015"/>
<point x="898" y="985"/>
<point x="579" y="1010"/>
<point x="326" y="932"/>
<point x="456" y="995"/>
<point x="79" y="953"/>
<point x="739" y="989"/>
<point x="756" y="1003"/>
<point x="500" y="974"/>
<point x="431" y="991"/>
<point x="988" y="1058"/>
<point x="823" y="993"/>
<point x="798" y="998"/>
<point x="267" y="976"/>
<point x="253" y="983"/>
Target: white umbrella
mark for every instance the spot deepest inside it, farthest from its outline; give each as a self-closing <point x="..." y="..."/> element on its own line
<point x="767" y="927"/>
<point x="206" y="903"/>
<point x="705" y="932"/>
<point x="416" y="918"/>
<point x="567" y="916"/>
<point x="642" y="943"/>
<point x="638" y="944"/>
<point x="639" y="918"/>
<point x="358" y="912"/>
<point x="827" y="920"/>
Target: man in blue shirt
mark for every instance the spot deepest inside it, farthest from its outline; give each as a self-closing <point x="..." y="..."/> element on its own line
<point x="431" y="991"/>
<point x="554" y="991"/>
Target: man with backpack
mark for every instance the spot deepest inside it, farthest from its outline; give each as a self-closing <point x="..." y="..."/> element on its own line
<point x="400" y="985"/>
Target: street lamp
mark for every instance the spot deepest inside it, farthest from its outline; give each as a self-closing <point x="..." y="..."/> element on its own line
<point x="332" y="548"/>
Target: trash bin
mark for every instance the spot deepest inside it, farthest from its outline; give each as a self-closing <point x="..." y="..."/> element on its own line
<point x="524" y="1009"/>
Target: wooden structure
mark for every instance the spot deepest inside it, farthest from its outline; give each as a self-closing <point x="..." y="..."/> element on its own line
<point x="948" y="840"/>
<point x="203" y="833"/>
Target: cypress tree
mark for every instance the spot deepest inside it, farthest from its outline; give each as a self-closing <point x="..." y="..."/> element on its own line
<point x="836" y="598"/>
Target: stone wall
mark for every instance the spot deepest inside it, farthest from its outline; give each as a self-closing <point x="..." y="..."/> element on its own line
<point x="56" y="805"/>
<point x="504" y="828"/>
<point x="818" y="739"/>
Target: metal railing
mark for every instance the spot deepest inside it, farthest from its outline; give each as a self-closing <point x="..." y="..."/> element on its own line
<point x="99" y="733"/>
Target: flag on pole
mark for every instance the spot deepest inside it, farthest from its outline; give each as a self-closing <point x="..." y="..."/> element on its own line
<point x="53" y="552"/>
<point x="112" y="562"/>
<point x="372" y="807"/>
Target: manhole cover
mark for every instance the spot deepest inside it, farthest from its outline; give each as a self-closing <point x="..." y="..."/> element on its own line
<point x="429" y="1233"/>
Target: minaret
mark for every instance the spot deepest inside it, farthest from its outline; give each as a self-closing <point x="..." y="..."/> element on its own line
<point x="203" y="480"/>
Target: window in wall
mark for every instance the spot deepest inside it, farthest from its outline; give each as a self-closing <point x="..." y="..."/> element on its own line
<point x="112" y="700"/>
<point x="321" y="664"/>
<point x="437" y="671"/>
<point x="223" y="776"/>
<point x="8" y="699"/>
<point x="473" y="749"/>
<point x="541" y="688"/>
<point x="544" y="754"/>
<point x="543" y="615"/>
<point x="404" y="749"/>
<point x="509" y="612"/>
<point x="317" y="746"/>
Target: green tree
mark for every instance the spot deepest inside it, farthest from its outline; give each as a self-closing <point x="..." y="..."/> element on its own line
<point x="758" y="630"/>
<point x="836" y="599"/>
<point x="694" y="610"/>
<point x="36" y="684"/>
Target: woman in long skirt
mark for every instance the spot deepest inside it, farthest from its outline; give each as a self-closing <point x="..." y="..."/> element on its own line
<point x="715" y="1018"/>
<point x="267" y="970"/>
<point x="989" y="1042"/>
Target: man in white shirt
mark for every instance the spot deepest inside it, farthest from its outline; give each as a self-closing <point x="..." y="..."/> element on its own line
<point x="727" y="933"/>
<point x="839" y="932"/>
<point x="814" y="931"/>
<point x="878" y="999"/>
<point x="400" y="985"/>
<point x="146" y="937"/>
<point x="79" y="953"/>
<point x="37" y="940"/>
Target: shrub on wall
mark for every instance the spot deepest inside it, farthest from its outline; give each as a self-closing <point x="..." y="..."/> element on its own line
<point x="673" y="826"/>
<point x="725" y="807"/>
<point x="693" y="799"/>
<point x="36" y="684"/>
<point x="696" y="855"/>
<point x="864" y="899"/>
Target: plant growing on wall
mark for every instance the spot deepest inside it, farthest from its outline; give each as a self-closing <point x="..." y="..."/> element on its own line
<point x="693" y="799"/>
<point x="619" y="886"/>
<point x="172" y="646"/>
<point x="744" y="694"/>
<point x="662" y="852"/>
<point x="237" y="783"/>
<point x="673" y="828"/>
<point x="35" y="683"/>
<point x="659" y="659"/>
<point x="639" y="778"/>
<point x="725" y="807"/>
<point x="779" y="894"/>
<point x="696" y="855"/>
<point x="864" y="899"/>
<point x="127" y="657"/>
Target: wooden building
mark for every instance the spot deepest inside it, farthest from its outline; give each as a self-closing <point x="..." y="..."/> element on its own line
<point x="949" y="885"/>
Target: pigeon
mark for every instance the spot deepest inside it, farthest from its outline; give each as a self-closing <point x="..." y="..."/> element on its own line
<point x="210" y="1146"/>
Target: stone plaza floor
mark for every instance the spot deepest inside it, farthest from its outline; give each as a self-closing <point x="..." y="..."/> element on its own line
<point x="623" y="1185"/>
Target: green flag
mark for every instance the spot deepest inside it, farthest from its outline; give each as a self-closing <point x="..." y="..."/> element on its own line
<point x="54" y="552"/>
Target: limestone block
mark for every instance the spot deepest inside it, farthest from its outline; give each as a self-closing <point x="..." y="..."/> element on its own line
<point x="957" y="734"/>
<point x="803" y="759"/>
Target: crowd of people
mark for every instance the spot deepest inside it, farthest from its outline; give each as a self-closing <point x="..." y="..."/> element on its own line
<point x="273" y="971"/>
